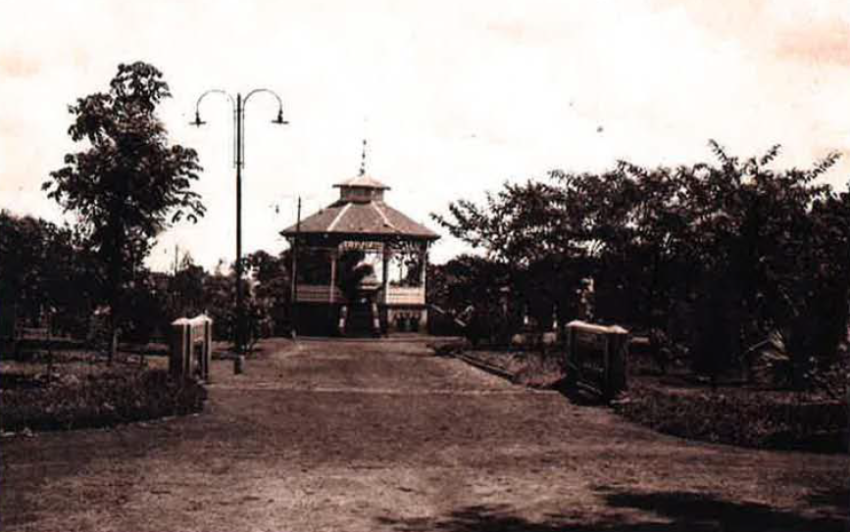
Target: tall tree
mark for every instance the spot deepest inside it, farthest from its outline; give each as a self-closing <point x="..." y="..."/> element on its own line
<point x="272" y="284"/>
<point x="41" y="267"/>
<point x="129" y="183"/>
<point x="732" y="249"/>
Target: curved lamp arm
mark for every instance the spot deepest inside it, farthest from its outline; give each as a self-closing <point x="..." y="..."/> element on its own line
<point x="279" y="119"/>
<point x="198" y="122"/>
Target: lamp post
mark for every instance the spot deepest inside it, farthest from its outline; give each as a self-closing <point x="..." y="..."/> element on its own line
<point x="238" y="107"/>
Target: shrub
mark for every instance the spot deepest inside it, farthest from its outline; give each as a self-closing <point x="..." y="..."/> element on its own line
<point x="750" y="419"/>
<point x="106" y="399"/>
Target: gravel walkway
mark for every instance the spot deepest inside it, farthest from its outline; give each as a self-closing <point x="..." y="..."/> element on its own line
<point x="383" y="435"/>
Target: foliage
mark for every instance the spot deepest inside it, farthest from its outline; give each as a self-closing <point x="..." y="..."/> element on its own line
<point x="471" y="289"/>
<point x="45" y="268"/>
<point x="351" y="272"/>
<point x="186" y="289"/>
<point x="731" y="251"/>
<point x="220" y="300"/>
<point x="98" y="400"/>
<point x="271" y="294"/>
<point x="128" y="181"/>
<point x="739" y="418"/>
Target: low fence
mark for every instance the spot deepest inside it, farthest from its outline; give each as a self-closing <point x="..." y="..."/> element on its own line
<point x="191" y="347"/>
<point x="595" y="357"/>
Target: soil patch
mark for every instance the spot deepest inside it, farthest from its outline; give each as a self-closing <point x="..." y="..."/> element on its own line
<point x="681" y="406"/>
<point x="374" y="435"/>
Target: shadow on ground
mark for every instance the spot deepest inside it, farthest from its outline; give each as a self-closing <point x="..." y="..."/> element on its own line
<point x="578" y="395"/>
<point x="832" y="497"/>
<point x="633" y="512"/>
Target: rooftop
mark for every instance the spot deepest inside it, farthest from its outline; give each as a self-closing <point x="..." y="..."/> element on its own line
<point x="361" y="210"/>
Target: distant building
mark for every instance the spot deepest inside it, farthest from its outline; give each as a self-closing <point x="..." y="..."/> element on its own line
<point x="385" y="290"/>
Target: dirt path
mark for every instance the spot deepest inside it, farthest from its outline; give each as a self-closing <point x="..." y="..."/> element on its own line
<point x="385" y="436"/>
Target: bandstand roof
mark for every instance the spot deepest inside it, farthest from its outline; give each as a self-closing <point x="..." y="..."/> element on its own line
<point x="372" y="218"/>
<point x="364" y="215"/>
<point x="362" y="181"/>
<point x="360" y="212"/>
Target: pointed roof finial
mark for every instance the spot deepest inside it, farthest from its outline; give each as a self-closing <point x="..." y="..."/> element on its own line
<point x="363" y="160"/>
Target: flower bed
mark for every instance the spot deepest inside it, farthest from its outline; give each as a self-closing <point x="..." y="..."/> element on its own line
<point x="36" y="402"/>
<point x="776" y="420"/>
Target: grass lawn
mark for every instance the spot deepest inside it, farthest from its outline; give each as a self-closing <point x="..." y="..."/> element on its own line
<point x="76" y="388"/>
<point x="683" y="405"/>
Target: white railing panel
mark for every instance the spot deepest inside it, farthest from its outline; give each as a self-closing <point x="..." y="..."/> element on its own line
<point x="312" y="293"/>
<point x="405" y="295"/>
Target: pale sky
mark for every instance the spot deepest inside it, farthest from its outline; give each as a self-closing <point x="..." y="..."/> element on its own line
<point x="454" y="97"/>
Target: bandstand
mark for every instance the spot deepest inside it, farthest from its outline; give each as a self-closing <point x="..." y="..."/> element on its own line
<point x="360" y="265"/>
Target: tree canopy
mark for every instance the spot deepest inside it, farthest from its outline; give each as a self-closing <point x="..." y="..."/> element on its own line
<point x="128" y="183"/>
<point x="739" y="247"/>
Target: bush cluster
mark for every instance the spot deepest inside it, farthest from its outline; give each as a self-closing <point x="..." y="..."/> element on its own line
<point x="746" y="419"/>
<point x="711" y="258"/>
<point x="100" y="400"/>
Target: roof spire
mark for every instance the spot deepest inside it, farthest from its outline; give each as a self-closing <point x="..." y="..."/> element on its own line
<point x="363" y="160"/>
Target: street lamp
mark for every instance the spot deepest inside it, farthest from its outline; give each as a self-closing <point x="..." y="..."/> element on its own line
<point x="238" y="107"/>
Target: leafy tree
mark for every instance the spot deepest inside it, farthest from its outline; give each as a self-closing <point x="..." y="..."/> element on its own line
<point x="272" y="287"/>
<point x="734" y="250"/>
<point x="23" y="243"/>
<point x="754" y="247"/>
<point x="475" y="289"/>
<point x="128" y="184"/>
<point x="219" y="293"/>
<point x="532" y="233"/>
<point x="186" y="289"/>
<point x="44" y="268"/>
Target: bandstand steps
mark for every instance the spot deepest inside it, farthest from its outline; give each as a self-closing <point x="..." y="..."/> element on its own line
<point x="360" y="321"/>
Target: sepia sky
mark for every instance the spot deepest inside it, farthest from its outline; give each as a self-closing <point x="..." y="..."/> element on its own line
<point x="454" y="97"/>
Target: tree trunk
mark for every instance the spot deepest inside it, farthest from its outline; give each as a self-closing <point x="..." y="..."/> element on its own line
<point x="113" y="331"/>
<point x="114" y="268"/>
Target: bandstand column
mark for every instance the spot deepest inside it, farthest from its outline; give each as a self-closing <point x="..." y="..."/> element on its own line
<point x="423" y="260"/>
<point x="331" y="291"/>
<point x="423" y="257"/>
<point x="385" y="277"/>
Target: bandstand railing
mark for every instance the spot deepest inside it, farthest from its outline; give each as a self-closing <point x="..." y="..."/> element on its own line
<point x="317" y="293"/>
<point x="395" y="295"/>
<point x="403" y="295"/>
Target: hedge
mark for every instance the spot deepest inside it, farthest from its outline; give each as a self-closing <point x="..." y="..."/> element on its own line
<point x="98" y="400"/>
<point x="749" y="419"/>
